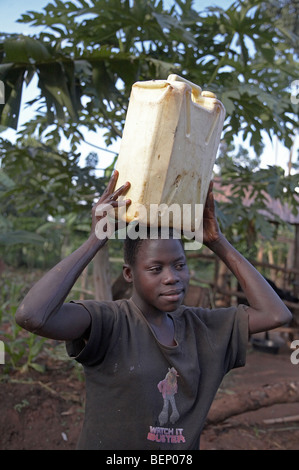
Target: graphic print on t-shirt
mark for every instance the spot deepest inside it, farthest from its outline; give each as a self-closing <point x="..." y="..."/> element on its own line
<point x="169" y="387"/>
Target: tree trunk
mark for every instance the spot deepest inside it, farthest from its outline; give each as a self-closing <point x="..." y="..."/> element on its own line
<point x="268" y="395"/>
<point x="223" y="284"/>
<point x="101" y="275"/>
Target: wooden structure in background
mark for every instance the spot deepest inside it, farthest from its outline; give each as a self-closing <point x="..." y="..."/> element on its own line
<point x="274" y="208"/>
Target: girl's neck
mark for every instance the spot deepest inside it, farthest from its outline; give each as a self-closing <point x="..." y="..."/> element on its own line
<point x="161" y="324"/>
<point x="151" y="314"/>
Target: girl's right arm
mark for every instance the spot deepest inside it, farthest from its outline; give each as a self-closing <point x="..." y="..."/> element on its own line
<point x="43" y="310"/>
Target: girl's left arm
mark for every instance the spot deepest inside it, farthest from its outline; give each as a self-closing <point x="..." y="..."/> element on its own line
<point x="266" y="310"/>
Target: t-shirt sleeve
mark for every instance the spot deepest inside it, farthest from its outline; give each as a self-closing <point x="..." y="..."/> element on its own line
<point x="92" y="351"/>
<point x="227" y="330"/>
<point x="236" y="354"/>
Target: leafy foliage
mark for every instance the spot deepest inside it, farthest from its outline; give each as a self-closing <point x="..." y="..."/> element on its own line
<point x="46" y="199"/>
<point x="86" y="59"/>
<point x="21" y="351"/>
<point x="96" y="50"/>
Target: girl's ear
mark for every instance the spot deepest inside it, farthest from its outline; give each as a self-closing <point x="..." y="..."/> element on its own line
<point x="127" y="273"/>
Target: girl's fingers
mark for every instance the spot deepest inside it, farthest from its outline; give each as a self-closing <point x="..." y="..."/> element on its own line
<point x="111" y="183"/>
<point x="119" y="191"/>
<point x="104" y="208"/>
<point x="110" y="197"/>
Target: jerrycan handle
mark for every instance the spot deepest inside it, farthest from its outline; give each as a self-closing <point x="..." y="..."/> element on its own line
<point x="196" y="90"/>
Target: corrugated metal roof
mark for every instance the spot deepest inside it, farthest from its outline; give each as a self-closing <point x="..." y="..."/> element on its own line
<point x="274" y="206"/>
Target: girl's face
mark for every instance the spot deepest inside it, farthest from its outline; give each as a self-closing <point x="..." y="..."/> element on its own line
<point x="160" y="276"/>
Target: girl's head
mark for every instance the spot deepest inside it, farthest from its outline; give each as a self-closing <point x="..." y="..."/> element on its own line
<point x="158" y="271"/>
<point x="139" y="234"/>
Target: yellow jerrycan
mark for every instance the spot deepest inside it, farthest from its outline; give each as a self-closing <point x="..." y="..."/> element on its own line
<point x="168" y="150"/>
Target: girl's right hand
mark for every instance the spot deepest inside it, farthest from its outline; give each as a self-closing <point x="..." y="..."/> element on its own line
<point x="108" y="202"/>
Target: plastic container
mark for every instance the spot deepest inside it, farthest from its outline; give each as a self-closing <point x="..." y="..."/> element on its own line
<point x="168" y="149"/>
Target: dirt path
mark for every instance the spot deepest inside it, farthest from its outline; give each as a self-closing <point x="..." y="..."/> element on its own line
<point x="256" y="430"/>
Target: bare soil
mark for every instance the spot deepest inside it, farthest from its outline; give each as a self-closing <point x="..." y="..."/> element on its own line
<point x="274" y="427"/>
<point x="44" y="411"/>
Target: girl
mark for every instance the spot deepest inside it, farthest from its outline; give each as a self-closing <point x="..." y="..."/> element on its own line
<point x="152" y="365"/>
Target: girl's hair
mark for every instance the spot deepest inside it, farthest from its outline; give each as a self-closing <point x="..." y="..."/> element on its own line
<point x="134" y="240"/>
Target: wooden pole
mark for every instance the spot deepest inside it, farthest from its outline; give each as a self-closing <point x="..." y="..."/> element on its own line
<point x="101" y="275"/>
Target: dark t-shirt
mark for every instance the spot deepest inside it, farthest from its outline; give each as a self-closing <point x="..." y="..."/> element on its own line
<point x="142" y="395"/>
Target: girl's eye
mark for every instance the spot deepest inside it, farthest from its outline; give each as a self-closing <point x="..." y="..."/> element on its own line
<point x="180" y="266"/>
<point x="155" y="269"/>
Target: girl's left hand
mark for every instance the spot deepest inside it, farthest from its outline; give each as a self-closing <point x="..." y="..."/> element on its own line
<point x="211" y="230"/>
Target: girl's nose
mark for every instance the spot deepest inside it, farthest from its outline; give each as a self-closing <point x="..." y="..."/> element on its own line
<point x="170" y="276"/>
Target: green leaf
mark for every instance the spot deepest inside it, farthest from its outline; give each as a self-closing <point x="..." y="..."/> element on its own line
<point x="36" y="50"/>
<point x="37" y="367"/>
<point x="13" y="91"/>
<point x="15" y="50"/>
<point x="5" y="181"/>
<point x="53" y="82"/>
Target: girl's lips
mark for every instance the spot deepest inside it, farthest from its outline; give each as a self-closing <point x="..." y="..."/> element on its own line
<point x="173" y="295"/>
